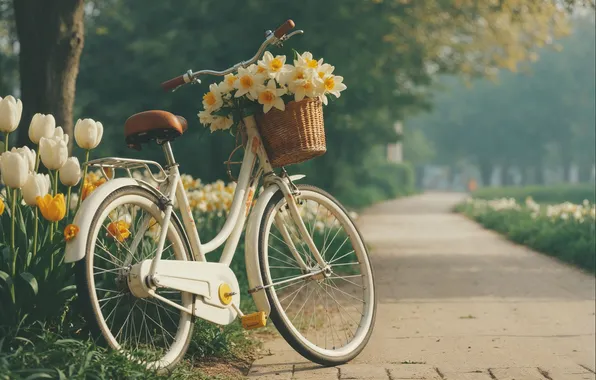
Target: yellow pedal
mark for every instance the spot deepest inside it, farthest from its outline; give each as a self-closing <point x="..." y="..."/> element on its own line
<point x="254" y="320"/>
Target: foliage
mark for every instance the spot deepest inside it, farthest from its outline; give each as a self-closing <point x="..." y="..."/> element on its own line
<point x="565" y="231"/>
<point x="541" y="194"/>
<point x="38" y="354"/>
<point x="541" y="115"/>
<point x="401" y="46"/>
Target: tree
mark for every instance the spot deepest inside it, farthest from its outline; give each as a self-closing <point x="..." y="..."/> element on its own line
<point x="389" y="52"/>
<point x="545" y="111"/>
<point x="51" y="35"/>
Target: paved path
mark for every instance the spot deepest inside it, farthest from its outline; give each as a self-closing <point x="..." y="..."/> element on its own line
<point x="459" y="302"/>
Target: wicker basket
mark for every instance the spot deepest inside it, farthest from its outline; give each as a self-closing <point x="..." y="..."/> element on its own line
<point x="294" y="135"/>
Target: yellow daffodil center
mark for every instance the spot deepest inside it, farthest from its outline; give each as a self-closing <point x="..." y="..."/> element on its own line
<point x="299" y="75"/>
<point x="329" y="84"/>
<point x="260" y="70"/>
<point x="321" y="74"/>
<point x="276" y="64"/>
<point x="209" y="98"/>
<point x="119" y="230"/>
<point x="266" y="97"/>
<point x="246" y="81"/>
<point x="312" y="63"/>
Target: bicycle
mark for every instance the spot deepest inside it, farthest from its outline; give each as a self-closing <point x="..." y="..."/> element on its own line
<point x="142" y="273"/>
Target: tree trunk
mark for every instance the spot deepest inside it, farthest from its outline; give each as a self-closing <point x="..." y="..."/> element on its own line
<point x="486" y="172"/>
<point x="51" y="36"/>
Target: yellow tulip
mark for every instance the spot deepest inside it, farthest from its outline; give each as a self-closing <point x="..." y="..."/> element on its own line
<point x="70" y="232"/>
<point x="119" y="230"/>
<point x="1" y="207"/>
<point x="87" y="190"/>
<point x="52" y="208"/>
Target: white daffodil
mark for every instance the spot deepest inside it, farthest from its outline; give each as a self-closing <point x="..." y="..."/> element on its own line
<point x="249" y="82"/>
<point x="228" y="84"/>
<point x="221" y="123"/>
<point x="305" y="60"/>
<point x="309" y="86"/>
<point x="270" y="96"/>
<point x="37" y="185"/>
<point x="41" y="126"/>
<point x="334" y="85"/>
<point x="274" y="66"/>
<point x="28" y="155"/>
<point x="59" y="132"/>
<point x="324" y="70"/>
<point x="88" y="133"/>
<point x="212" y="100"/>
<point x="14" y="168"/>
<point x="10" y="113"/>
<point x="205" y="117"/>
<point x="70" y="172"/>
<point x="53" y="152"/>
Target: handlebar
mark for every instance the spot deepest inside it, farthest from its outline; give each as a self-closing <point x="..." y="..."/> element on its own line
<point x="271" y="38"/>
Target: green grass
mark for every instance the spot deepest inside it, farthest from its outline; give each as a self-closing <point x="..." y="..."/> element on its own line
<point x="541" y="194"/>
<point x="568" y="240"/>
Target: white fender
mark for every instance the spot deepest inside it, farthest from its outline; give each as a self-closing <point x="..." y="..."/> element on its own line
<point x="251" y="255"/>
<point x="76" y="248"/>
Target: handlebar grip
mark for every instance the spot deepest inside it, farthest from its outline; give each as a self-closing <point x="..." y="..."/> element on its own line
<point x="173" y="83"/>
<point x="284" y="28"/>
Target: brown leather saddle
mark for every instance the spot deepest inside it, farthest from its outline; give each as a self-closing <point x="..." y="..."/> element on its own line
<point x="147" y="126"/>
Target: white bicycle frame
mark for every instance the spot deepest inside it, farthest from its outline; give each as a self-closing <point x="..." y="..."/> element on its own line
<point x="171" y="188"/>
<point x="234" y="224"/>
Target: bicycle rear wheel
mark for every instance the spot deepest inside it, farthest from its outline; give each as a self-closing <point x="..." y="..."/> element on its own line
<point x="327" y="317"/>
<point x="124" y="232"/>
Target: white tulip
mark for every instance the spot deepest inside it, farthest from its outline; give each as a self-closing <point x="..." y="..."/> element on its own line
<point x="37" y="185"/>
<point x="53" y="152"/>
<point x="88" y="133"/>
<point x="70" y="173"/>
<point x="15" y="169"/>
<point x="10" y="113"/>
<point x="59" y="132"/>
<point x="28" y="155"/>
<point x="41" y="126"/>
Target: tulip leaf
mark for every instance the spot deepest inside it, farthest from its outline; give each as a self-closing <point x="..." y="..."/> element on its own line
<point x="31" y="280"/>
<point x="68" y="288"/>
<point x="6" y="278"/>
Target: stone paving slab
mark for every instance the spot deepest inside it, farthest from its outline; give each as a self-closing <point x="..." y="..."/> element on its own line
<point x="307" y="371"/>
<point x="516" y="374"/>
<point x="413" y="371"/>
<point x="363" y="372"/>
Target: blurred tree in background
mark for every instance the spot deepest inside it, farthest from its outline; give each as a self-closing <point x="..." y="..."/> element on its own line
<point x="389" y="51"/>
<point x="541" y="116"/>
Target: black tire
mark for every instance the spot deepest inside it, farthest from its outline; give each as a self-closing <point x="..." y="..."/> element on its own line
<point x="275" y="315"/>
<point x="82" y="281"/>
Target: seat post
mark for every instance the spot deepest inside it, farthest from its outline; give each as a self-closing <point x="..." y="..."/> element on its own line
<point x="167" y="150"/>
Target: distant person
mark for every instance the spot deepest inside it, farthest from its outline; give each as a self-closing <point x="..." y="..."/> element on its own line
<point x="472" y="185"/>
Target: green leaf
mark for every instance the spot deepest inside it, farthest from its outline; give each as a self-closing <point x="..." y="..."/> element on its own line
<point x="39" y="376"/>
<point x="6" y="278"/>
<point x="31" y="280"/>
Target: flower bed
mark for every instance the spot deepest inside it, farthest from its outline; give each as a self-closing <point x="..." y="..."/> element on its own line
<point x="565" y="230"/>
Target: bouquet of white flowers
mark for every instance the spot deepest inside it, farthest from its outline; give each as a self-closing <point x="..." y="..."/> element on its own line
<point x="271" y="83"/>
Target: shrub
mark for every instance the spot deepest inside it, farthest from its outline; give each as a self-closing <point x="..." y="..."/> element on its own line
<point x="565" y="231"/>
<point x="541" y="194"/>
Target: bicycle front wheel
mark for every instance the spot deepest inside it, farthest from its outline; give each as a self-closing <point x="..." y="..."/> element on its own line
<point x="327" y="317"/>
<point x="124" y="232"/>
